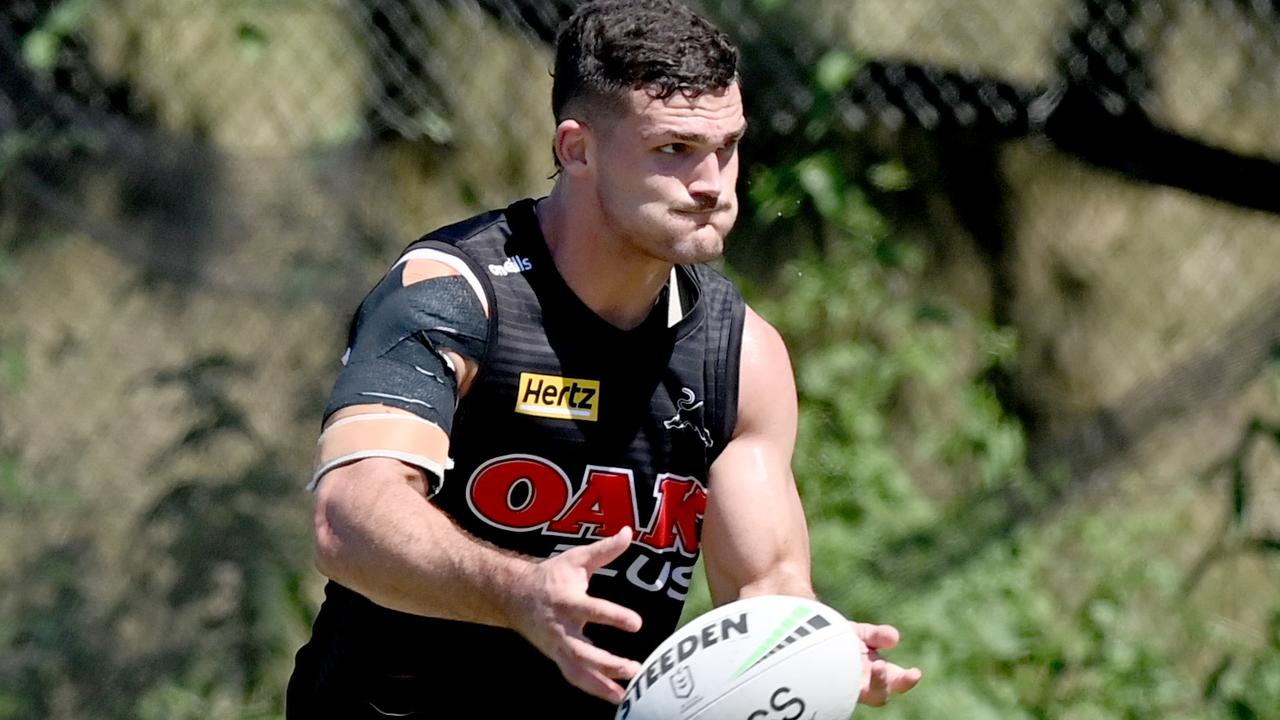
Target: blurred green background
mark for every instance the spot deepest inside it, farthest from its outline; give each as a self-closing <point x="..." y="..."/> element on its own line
<point x="1037" y="346"/>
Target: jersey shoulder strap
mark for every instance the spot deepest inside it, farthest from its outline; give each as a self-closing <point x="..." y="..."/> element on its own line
<point x="725" y="312"/>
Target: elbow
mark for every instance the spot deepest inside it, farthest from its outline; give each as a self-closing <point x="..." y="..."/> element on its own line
<point x="325" y="557"/>
<point x="327" y="535"/>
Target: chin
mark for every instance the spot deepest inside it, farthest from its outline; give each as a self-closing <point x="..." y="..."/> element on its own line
<point x="702" y="242"/>
<point x="703" y="245"/>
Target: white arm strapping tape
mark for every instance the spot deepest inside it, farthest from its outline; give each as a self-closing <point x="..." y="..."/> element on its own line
<point x="418" y="461"/>
<point x="399" y="436"/>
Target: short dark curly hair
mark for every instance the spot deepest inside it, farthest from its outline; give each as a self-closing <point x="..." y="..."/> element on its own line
<point x="608" y="48"/>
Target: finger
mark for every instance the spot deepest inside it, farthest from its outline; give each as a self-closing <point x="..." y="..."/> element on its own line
<point x="601" y="552"/>
<point x="583" y="652"/>
<point x="876" y="692"/>
<point x="901" y="680"/>
<point x="594" y="683"/>
<point x="886" y="679"/>
<point x="876" y="637"/>
<point x="603" y="612"/>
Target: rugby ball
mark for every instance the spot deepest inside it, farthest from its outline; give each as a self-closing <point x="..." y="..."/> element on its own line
<point x="763" y="658"/>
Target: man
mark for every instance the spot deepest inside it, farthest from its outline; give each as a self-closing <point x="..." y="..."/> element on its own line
<point x="618" y="410"/>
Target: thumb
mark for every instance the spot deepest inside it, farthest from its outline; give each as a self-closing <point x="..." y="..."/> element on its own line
<point x="602" y="552"/>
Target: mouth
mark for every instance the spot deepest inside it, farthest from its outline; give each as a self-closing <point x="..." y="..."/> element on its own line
<point x="697" y="220"/>
<point x="699" y="212"/>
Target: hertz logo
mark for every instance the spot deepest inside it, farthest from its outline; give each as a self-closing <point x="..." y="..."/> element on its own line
<point x="564" y="398"/>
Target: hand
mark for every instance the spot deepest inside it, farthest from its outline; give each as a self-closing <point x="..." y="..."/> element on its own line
<point x="881" y="678"/>
<point x="554" y="606"/>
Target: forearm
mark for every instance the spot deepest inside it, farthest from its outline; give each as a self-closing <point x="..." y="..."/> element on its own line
<point x="782" y="578"/>
<point x="751" y="569"/>
<point x="376" y="534"/>
<point x="754" y="536"/>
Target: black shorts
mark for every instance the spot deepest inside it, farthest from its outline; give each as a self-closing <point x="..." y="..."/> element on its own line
<point x="364" y="661"/>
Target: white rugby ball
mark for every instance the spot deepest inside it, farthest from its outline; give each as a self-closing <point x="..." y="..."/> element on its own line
<point x="763" y="658"/>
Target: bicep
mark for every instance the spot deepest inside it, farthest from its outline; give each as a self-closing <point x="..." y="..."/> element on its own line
<point x="754" y="534"/>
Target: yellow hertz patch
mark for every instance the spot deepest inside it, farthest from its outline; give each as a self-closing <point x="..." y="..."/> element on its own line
<point x="551" y="396"/>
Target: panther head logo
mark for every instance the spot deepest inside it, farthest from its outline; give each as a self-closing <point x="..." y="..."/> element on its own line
<point x="688" y="405"/>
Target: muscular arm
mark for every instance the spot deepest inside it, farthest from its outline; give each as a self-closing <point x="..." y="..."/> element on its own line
<point x="378" y="534"/>
<point x="754" y="536"/>
<point x="377" y="531"/>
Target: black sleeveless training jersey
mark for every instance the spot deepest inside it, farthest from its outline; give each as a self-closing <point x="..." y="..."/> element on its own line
<point x="572" y="429"/>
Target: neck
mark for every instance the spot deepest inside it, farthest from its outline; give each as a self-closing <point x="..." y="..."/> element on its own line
<point x="607" y="273"/>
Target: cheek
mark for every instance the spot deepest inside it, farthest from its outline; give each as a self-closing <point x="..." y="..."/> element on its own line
<point x="637" y="176"/>
<point x="730" y="173"/>
<point x="724" y="221"/>
<point x="659" y="190"/>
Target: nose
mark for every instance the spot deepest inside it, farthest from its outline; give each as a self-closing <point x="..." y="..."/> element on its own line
<point x="705" y="181"/>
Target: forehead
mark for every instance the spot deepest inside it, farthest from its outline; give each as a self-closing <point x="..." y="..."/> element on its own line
<point x="714" y="114"/>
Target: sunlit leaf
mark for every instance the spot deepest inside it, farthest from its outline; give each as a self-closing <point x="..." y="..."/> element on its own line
<point x="835" y="69"/>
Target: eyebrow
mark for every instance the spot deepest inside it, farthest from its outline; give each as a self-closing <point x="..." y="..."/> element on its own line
<point x="699" y="138"/>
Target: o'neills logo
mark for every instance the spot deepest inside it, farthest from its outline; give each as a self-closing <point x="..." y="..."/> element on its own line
<point x="513" y="265"/>
<point x="551" y="396"/>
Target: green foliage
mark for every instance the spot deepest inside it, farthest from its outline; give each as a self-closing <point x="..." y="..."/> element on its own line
<point x="20" y="145"/>
<point x="835" y="69"/>
<point x="922" y="510"/>
<point x="1017" y="601"/>
<point x="889" y="375"/>
<point x="1250" y="688"/>
<point x="10" y="707"/>
<point x="7" y="268"/>
<point x="212" y="603"/>
<point x="11" y="485"/>
<point x="13" y="364"/>
<point x="16" y="145"/>
<point x="435" y="125"/>
<point x="41" y="46"/>
<point x="251" y="40"/>
<point x="179" y="702"/>
<point x="767" y="6"/>
<point x="889" y="176"/>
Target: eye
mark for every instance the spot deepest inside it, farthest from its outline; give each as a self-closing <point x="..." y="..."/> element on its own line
<point x="674" y="149"/>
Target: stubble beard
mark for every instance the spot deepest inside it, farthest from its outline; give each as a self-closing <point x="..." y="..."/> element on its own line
<point x="663" y="239"/>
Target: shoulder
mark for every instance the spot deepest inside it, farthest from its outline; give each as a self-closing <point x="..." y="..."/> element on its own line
<point x="766" y="386"/>
<point x="763" y="349"/>
<point x="481" y="245"/>
<point x="466" y="249"/>
<point x="438" y="280"/>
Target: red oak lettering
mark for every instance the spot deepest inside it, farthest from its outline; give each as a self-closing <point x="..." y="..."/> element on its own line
<point x="682" y="501"/>
<point x="492" y="492"/>
<point x="606" y="503"/>
<point x="526" y="492"/>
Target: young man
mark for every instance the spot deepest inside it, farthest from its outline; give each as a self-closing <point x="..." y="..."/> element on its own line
<point x="546" y="413"/>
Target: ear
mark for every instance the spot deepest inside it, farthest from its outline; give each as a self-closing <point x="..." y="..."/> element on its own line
<point x="573" y="146"/>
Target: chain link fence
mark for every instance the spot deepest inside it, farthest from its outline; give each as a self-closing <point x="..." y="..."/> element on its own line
<point x="194" y="194"/>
